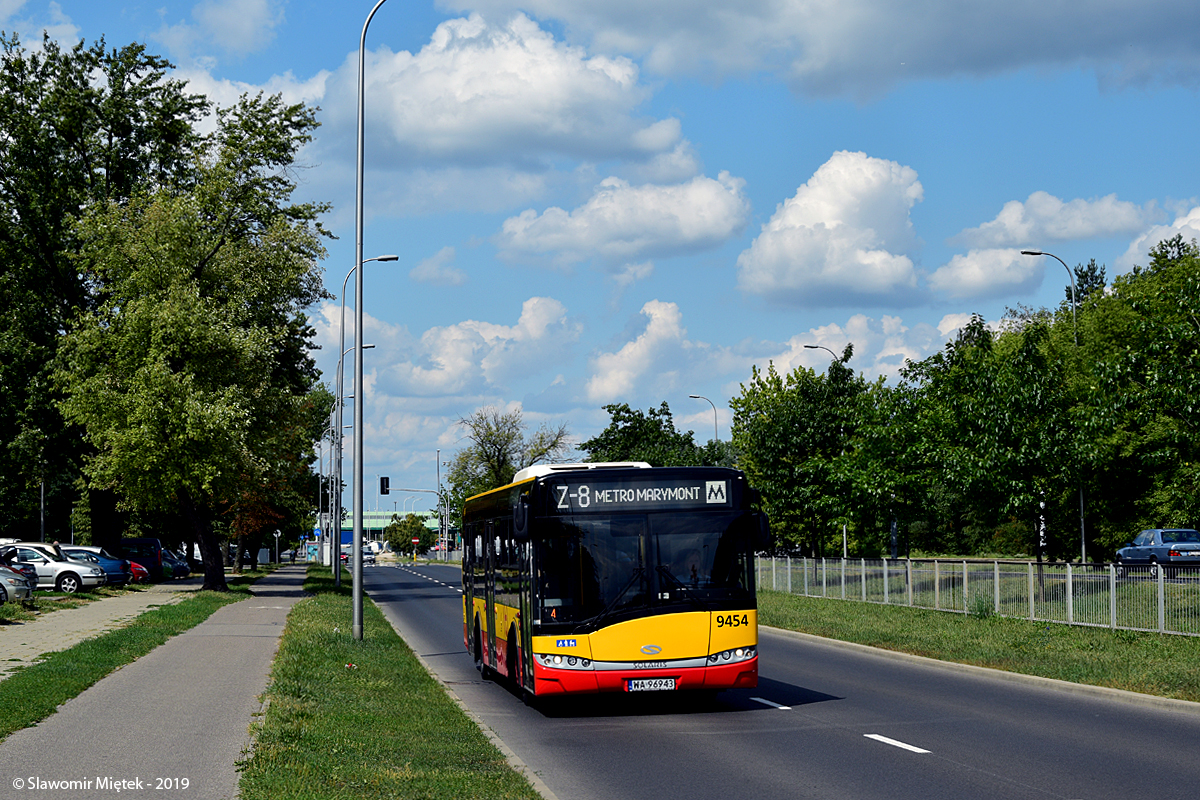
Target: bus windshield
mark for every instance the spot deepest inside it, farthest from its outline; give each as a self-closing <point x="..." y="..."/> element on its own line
<point x="594" y="569"/>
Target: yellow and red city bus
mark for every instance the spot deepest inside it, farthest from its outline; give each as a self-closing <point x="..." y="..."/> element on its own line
<point x="581" y="578"/>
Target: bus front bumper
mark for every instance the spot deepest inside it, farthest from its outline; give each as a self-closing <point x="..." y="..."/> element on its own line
<point x="720" y="675"/>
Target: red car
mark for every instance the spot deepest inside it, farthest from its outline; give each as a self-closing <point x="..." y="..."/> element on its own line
<point x="140" y="573"/>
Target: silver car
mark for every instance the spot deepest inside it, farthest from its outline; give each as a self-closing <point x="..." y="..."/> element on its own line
<point x="55" y="570"/>
<point x="13" y="585"/>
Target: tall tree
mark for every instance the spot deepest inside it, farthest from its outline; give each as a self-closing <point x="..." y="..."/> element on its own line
<point x="651" y="437"/>
<point x="191" y="378"/>
<point x="82" y="126"/>
<point x="1145" y="409"/>
<point x="796" y="435"/>
<point x="499" y="449"/>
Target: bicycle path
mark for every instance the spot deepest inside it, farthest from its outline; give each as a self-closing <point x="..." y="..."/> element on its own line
<point x="172" y="724"/>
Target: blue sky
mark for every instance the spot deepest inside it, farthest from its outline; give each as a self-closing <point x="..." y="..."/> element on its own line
<point x="599" y="202"/>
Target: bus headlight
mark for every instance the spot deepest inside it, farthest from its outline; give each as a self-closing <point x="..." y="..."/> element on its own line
<point x="738" y="654"/>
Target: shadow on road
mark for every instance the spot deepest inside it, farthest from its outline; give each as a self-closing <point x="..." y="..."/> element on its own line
<point x="620" y="704"/>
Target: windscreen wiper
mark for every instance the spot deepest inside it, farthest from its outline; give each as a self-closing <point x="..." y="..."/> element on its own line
<point x="638" y="574"/>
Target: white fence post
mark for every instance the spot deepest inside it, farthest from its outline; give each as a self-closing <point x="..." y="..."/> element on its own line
<point x="1112" y="596"/>
<point x="789" y="580"/>
<point x="964" y="591"/>
<point x="908" y="579"/>
<point x="886" y="570"/>
<point x="996" y="584"/>
<point x="862" y="565"/>
<point x="824" y="575"/>
<point x="843" y="561"/>
<point x="1032" y="608"/>
<point x="1070" y="597"/>
<point x="772" y="573"/>
<point x="805" y="560"/>
<point x="937" y="585"/>
<point x="1162" y="617"/>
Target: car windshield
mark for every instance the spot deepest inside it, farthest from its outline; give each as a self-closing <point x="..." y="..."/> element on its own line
<point x="594" y="568"/>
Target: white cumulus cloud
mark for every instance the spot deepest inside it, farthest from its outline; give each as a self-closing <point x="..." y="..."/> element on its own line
<point x="439" y="270"/>
<point x="881" y="346"/>
<point x="989" y="273"/>
<point x="648" y="359"/>
<point x="236" y="27"/>
<point x="621" y="222"/>
<point x="1044" y="218"/>
<point x="482" y="94"/>
<point x="1186" y="225"/>
<point x="472" y="356"/>
<point x="864" y="47"/>
<point x="844" y="238"/>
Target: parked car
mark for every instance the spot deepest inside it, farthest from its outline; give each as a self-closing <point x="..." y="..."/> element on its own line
<point x="138" y="573"/>
<point x="14" y="585"/>
<point x="179" y="565"/>
<point x="147" y="552"/>
<point x="55" y="570"/>
<point x="116" y="570"/>
<point x="22" y="567"/>
<point x="1173" y="548"/>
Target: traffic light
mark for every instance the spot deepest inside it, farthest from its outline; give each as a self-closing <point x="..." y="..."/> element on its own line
<point x="383" y="484"/>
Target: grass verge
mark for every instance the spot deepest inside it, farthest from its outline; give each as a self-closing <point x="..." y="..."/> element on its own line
<point x="1151" y="663"/>
<point x="32" y="693"/>
<point x="364" y="720"/>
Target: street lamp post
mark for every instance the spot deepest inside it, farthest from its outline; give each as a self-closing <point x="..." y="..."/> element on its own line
<point x="338" y="435"/>
<point x="356" y="625"/>
<point x="1075" y="330"/>
<point x="716" y="436"/>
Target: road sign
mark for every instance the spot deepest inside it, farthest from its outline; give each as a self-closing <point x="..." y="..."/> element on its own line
<point x="416" y="540"/>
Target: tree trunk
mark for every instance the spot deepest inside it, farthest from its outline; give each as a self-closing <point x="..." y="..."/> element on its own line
<point x="210" y="549"/>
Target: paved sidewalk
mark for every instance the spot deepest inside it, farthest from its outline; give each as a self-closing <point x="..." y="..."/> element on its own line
<point x="181" y="713"/>
<point x="22" y="643"/>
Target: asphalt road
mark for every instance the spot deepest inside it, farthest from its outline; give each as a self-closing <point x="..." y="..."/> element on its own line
<point x="824" y="722"/>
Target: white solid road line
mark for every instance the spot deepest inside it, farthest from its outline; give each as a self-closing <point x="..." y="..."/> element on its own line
<point x="894" y="743"/>
<point x="772" y="705"/>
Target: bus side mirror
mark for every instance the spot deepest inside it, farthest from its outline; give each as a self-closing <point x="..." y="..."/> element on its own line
<point x="764" y="532"/>
<point x="521" y="519"/>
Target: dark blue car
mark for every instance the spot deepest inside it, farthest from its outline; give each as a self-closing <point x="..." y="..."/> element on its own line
<point x="1173" y="548"/>
<point x="116" y="569"/>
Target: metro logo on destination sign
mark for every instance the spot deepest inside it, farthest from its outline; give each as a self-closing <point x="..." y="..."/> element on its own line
<point x="638" y="495"/>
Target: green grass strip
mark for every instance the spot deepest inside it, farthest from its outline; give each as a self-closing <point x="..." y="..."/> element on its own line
<point x="34" y="692"/>
<point x="381" y="727"/>
<point x="1151" y="663"/>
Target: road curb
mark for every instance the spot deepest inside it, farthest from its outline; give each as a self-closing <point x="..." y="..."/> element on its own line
<point x="512" y="758"/>
<point x="1067" y="687"/>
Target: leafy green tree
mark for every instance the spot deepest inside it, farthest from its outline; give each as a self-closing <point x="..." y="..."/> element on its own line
<point x="191" y="377"/>
<point x="796" y="435"/>
<point x="1089" y="280"/>
<point x="82" y="126"/>
<point x="400" y="532"/>
<point x="650" y="437"/>
<point x="1144" y="404"/>
<point x="499" y="449"/>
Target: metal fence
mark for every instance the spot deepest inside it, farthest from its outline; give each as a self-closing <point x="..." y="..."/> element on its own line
<point x="1143" y="598"/>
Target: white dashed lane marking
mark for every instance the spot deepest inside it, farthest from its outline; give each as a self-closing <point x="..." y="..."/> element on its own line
<point x="911" y="748"/>
<point x="771" y="704"/>
<point x="434" y="580"/>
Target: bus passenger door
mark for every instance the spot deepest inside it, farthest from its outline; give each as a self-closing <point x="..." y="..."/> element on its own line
<point x="489" y="624"/>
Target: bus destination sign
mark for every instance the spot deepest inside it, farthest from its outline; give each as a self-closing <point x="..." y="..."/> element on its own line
<point x="639" y="496"/>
